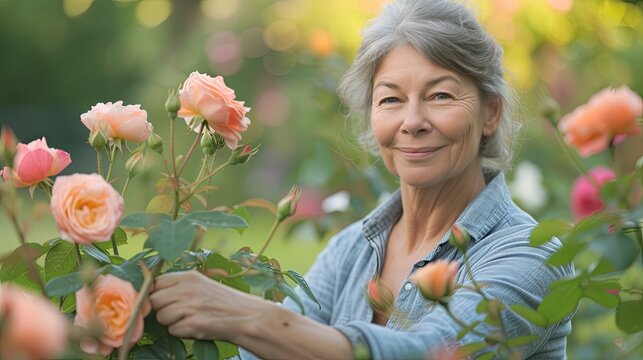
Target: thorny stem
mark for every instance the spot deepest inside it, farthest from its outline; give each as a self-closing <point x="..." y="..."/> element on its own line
<point x="123" y="351"/>
<point x="191" y="150"/>
<point x="275" y="225"/>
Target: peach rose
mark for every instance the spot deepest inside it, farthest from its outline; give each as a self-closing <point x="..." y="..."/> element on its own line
<point x="35" y="162"/>
<point x="86" y="208"/>
<point x="214" y="101"/>
<point x="32" y="327"/>
<point x="117" y="121"/>
<point x="585" y="196"/>
<point x="608" y="113"/>
<point x="109" y="303"/>
<point x="380" y="297"/>
<point x="437" y="279"/>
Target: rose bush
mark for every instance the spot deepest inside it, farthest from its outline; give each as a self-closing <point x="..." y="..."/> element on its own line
<point x="83" y="270"/>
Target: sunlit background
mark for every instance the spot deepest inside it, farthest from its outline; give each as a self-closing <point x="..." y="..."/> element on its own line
<point x="284" y="58"/>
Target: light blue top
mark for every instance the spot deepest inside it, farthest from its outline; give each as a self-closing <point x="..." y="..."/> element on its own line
<point x="500" y="257"/>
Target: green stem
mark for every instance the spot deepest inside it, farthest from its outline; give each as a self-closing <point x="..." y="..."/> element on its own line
<point x="639" y="237"/>
<point x="194" y="185"/>
<point x="467" y="266"/>
<point x="275" y="225"/>
<point x="31" y="264"/>
<point x="45" y="189"/>
<point x="125" y="186"/>
<point x="197" y="139"/>
<point x="112" y="155"/>
<point x="123" y="351"/>
<point x="571" y="156"/>
<point x="210" y="166"/>
<point x="114" y="245"/>
<point x="78" y="258"/>
<point x="99" y="163"/>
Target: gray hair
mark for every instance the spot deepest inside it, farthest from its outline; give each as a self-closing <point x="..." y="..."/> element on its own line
<point x="448" y="34"/>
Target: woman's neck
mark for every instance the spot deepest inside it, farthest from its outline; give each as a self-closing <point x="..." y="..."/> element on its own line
<point x="430" y="211"/>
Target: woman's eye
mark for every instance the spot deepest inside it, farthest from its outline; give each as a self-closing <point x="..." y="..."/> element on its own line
<point x="442" y="96"/>
<point x="388" y="100"/>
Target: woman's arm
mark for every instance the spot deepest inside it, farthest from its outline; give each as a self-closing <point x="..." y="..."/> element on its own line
<point x="193" y="306"/>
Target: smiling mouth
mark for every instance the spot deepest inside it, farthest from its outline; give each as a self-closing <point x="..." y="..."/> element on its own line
<point x="418" y="153"/>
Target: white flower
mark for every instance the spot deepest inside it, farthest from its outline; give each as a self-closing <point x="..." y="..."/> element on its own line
<point x="336" y="202"/>
<point x="527" y="186"/>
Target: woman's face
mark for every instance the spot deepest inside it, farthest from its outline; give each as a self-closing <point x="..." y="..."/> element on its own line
<point x="428" y="120"/>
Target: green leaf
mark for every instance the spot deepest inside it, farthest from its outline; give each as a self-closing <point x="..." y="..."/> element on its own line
<point x="162" y="203"/>
<point x="129" y="271"/>
<point x="292" y="294"/>
<point x="560" y="302"/>
<point x="119" y="235"/>
<point x="60" y="260"/>
<point x="226" y="349"/>
<point x="591" y="223"/>
<point x="205" y="350"/>
<point x="163" y="348"/>
<point x="548" y="229"/>
<point x="260" y="283"/>
<point x="599" y="292"/>
<point x="482" y="306"/>
<point x="617" y="248"/>
<point x="69" y="304"/>
<point x="602" y="267"/>
<point x="96" y="253"/>
<point x="142" y="220"/>
<point x="64" y="285"/>
<point x="297" y="278"/>
<point x="565" y="254"/>
<point x="15" y="267"/>
<point x="486" y="356"/>
<point x="218" y="261"/>
<point x="170" y="238"/>
<point x="530" y="314"/>
<point x="466" y="329"/>
<point x="474" y="347"/>
<point x="629" y="315"/>
<point x="215" y="219"/>
<point x="522" y="340"/>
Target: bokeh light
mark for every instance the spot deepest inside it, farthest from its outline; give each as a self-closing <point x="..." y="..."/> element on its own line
<point x="152" y="13"/>
<point x="76" y="7"/>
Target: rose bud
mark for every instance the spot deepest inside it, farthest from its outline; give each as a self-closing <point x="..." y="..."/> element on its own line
<point x="287" y="206"/>
<point x="211" y="142"/>
<point x="98" y="139"/>
<point x="436" y="280"/>
<point x="8" y="145"/>
<point x="459" y="238"/>
<point x="155" y="142"/>
<point x="242" y="154"/>
<point x="172" y="104"/>
<point x="380" y="297"/>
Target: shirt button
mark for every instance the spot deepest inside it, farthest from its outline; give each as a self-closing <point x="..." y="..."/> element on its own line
<point x="408" y="286"/>
<point x="421" y="263"/>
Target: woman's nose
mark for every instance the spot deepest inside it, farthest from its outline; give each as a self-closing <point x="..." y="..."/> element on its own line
<point x="415" y="120"/>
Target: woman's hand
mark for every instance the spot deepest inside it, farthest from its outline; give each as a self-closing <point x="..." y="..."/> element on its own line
<point x="196" y="307"/>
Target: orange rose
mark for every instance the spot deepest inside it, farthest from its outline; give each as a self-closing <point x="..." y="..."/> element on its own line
<point x="608" y="113"/>
<point x="118" y="121"/>
<point x="31" y="328"/>
<point x="109" y="303"/>
<point x="86" y="208"/>
<point x="214" y="101"/>
<point x="436" y="280"/>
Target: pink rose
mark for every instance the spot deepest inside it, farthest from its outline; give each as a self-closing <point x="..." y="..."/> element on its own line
<point x="380" y="297"/>
<point x="608" y="113"/>
<point x="109" y="303"/>
<point x="437" y="279"/>
<point x="86" y="208"/>
<point x="35" y="162"/>
<point x="32" y="328"/>
<point x="585" y="196"/>
<point x="117" y="121"/>
<point x="214" y="101"/>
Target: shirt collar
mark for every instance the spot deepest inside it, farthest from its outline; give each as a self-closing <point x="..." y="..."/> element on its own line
<point x="477" y="219"/>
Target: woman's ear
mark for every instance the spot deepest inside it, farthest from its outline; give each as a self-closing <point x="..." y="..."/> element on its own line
<point x="494" y="116"/>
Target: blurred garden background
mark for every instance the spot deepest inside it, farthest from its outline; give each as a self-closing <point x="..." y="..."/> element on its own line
<point x="284" y="59"/>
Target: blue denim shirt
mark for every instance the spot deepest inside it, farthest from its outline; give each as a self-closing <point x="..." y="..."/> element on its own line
<point x="500" y="257"/>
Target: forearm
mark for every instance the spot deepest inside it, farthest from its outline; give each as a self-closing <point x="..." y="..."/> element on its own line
<point x="280" y="333"/>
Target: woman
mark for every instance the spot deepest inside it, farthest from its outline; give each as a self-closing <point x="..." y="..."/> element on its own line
<point x="430" y="81"/>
